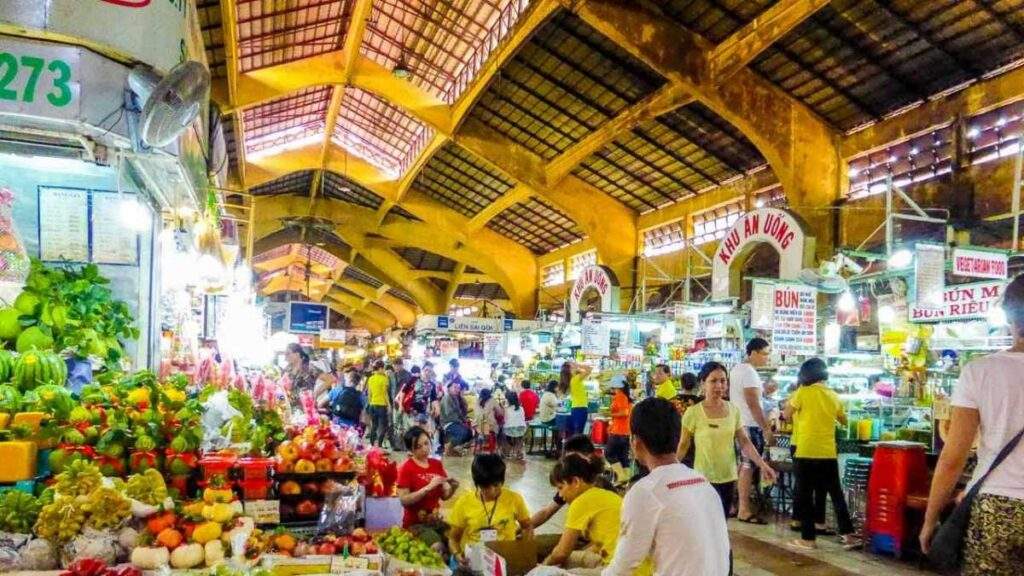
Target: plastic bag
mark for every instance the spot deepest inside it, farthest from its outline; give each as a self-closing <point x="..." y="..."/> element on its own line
<point x="341" y="509"/>
<point x="14" y="261"/>
<point x="10" y="550"/>
<point x="216" y="412"/>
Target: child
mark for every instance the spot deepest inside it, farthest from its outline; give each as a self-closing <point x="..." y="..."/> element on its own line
<point x="489" y="419"/>
<point x="515" y="426"/>
<point x="491" y="512"/>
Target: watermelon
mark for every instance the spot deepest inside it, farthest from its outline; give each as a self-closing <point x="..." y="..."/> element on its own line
<point x="35" y="368"/>
<point x="6" y="365"/>
<point x="10" y="399"/>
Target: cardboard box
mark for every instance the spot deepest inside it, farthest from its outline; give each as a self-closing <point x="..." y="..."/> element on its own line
<point x="517" y="557"/>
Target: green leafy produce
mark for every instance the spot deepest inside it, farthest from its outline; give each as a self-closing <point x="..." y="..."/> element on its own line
<point x="10" y="399"/>
<point x="18" y="512"/>
<point x="52" y="399"/>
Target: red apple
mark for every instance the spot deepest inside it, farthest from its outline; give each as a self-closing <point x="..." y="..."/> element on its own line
<point x="326" y="549"/>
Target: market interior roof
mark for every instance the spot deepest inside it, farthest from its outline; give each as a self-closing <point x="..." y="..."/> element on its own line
<point x="397" y="123"/>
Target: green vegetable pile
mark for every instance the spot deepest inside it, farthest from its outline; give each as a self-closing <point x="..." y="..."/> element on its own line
<point x="18" y="512"/>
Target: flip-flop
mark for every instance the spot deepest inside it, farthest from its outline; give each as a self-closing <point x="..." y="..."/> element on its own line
<point x="800" y="545"/>
<point x="752" y="520"/>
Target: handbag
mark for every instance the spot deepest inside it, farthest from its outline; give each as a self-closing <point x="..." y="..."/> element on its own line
<point x="947" y="550"/>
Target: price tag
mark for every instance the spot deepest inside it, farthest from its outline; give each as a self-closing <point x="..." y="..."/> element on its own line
<point x="264" y="511"/>
<point x="488" y="535"/>
<point x="340" y="564"/>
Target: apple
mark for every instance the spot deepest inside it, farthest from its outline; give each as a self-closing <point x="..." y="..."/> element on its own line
<point x="306" y="508"/>
<point x="284" y="467"/>
<point x="360" y="535"/>
<point x="324" y="465"/>
<point x="357" y="549"/>
<point x="310" y="488"/>
<point x="371" y="548"/>
<point x="290" y="488"/>
<point x="326" y="549"/>
<point x="343" y="464"/>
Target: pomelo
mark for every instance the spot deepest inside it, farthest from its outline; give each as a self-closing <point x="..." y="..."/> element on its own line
<point x="26" y="303"/>
<point x="10" y="328"/>
<point x="33" y="338"/>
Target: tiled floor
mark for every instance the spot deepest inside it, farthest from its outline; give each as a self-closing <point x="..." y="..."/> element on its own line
<point x="758" y="550"/>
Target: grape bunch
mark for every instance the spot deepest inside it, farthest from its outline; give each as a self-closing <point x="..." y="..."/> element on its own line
<point x="60" y="521"/>
<point x="79" y="479"/>
<point x="107" y="508"/>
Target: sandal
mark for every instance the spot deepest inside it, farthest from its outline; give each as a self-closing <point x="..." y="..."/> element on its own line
<point x="753" y="519"/>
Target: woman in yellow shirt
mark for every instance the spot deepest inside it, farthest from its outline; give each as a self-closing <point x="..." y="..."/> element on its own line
<point x="714" y="426"/>
<point x="593" y="514"/>
<point x="814" y="410"/>
<point x="571" y="381"/>
<point x="491" y="512"/>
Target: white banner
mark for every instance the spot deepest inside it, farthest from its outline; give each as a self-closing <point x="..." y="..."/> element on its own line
<point x="962" y="302"/>
<point x="686" y="326"/>
<point x="929" y="275"/>
<point x="595" y="337"/>
<point x="762" y="305"/>
<point x="494" y="347"/>
<point x="794" y="329"/>
<point x="974" y="263"/>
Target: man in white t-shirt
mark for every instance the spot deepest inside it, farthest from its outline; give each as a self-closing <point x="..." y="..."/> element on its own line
<point x="745" y="393"/>
<point x="989" y="398"/>
<point x="672" y="516"/>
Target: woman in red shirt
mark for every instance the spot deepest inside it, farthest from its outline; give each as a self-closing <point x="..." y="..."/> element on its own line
<point x="529" y="400"/>
<point x="617" y="447"/>
<point x="422" y="482"/>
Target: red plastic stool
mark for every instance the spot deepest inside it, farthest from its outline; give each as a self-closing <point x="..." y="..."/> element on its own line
<point x="898" y="470"/>
<point x="599" y="431"/>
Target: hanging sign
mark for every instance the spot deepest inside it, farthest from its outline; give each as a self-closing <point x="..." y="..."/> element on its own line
<point x="39" y="79"/>
<point x="595" y="336"/>
<point x="598" y="278"/>
<point x="762" y="304"/>
<point x="975" y="263"/>
<point x="929" y="275"/>
<point x="962" y="302"/>
<point x="686" y="326"/>
<point x="330" y="336"/>
<point x="794" y="328"/>
<point x="307" y="317"/>
<point x="494" y="347"/>
<point x="710" y="326"/>
<point x="779" y="228"/>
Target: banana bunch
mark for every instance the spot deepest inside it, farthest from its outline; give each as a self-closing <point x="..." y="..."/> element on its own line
<point x="79" y="478"/>
<point x="60" y="521"/>
<point x="107" y="508"/>
<point x="18" y="512"/>
<point x="147" y="487"/>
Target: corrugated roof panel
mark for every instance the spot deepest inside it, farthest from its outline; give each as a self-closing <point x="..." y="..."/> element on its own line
<point x="537" y="225"/>
<point x="280" y="31"/>
<point x="424" y="260"/>
<point x="442" y="44"/>
<point x="291" y="120"/>
<point x="379" y="132"/>
<point x="457" y="179"/>
<point x="563" y="84"/>
<point x="209" y="14"/>
<point x="714" y="19"/>
<point x="340" y="188"/>
<point x="481" y="291"/>
<point x="297" y="183"/>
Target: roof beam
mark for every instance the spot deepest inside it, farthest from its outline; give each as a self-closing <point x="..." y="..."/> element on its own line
<point x="350" y="51"/>
<point x="453" y="285"/>
<point x="801" y="148"/>
<point x="977" y="98"/>
<point x="661" y="102"/>
<point x="363" y="305"/>
<point x="356" y="316"/>
<point x="514" y="196"/>
<point x="404" y="312"/>
<point x="745" y="44"/>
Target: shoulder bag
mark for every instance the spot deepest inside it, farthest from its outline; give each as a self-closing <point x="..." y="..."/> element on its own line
<point x="947" y="549"/>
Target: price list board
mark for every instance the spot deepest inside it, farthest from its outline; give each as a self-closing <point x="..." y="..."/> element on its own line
<point x="794" y="326"/>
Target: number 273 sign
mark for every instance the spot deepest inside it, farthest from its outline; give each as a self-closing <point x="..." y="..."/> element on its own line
<point x="38" y="79"/>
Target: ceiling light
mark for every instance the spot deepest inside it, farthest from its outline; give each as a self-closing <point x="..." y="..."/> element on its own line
<point x="973" y="133"/>
<point x="401" y="69"/>
<point x="846" y="302"/>
<point x="900" y="259"/>
<point x="853" y="172"/>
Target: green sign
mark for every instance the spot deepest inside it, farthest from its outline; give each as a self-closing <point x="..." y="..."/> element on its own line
<point x="20" y="79"/>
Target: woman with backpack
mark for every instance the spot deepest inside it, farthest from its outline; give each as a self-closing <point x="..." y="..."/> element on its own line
<point x="345" y="402"/>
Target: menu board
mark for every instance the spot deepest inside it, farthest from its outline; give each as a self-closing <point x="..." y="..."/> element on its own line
<point x="794" y="329"/>
<point x="686" y="327"/>
<point x="761" y="304"/>
<point x="112" y="241"/>
<point x="494" y="347"/>
<point x="929" y="276"/>
<point x="595" y="337"/>
<point x="63" y="224"/>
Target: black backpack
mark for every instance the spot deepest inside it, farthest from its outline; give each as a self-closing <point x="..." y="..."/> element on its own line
<point x="348" y="404"/>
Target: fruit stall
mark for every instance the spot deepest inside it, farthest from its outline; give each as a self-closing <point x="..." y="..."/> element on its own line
<point x="105" y="472"/>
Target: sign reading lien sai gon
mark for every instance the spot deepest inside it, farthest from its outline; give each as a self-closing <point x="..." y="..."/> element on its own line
<point x="778" y="228"/>
<point x="976" y="263"/>
<point x="600" y="279"/>
<point x="962" y="302"/>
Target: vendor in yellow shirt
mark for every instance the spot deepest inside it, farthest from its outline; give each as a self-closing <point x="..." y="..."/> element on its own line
<point x="593" y="515"/>
<point x="570" y="381"/>
<point x="491" y="512"/>
<point x="714" y="426"/>
<point x="663" y="385"/>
